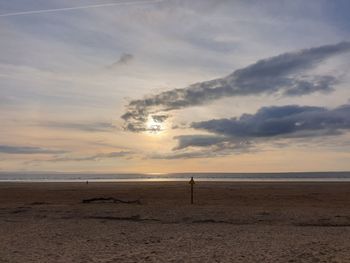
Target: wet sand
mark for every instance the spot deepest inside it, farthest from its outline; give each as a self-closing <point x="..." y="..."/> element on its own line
<point x="229" y="222"/>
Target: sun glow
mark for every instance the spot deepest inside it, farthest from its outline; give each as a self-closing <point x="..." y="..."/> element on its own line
<point x="154" y="127"/>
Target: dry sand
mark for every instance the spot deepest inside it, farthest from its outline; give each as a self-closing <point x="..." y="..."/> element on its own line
<point x="229" y="222"/>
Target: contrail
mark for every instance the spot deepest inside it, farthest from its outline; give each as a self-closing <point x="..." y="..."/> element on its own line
<point x="78" y="7"/>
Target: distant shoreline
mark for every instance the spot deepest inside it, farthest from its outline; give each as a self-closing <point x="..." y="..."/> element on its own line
<point x="170" y="180"/>
<point x="176" y="177"/>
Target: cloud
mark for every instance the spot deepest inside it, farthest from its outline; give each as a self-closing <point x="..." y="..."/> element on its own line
<point x="198" y="140"/>
<point x="86" y="127"/>
<point x="123" y="60"/>
<point x="273" y="125"/>
<point x="282" y="121"/>
<point x="211" y="147"/>
<point x="5" y="101"/>
<point x="95" y="157"/>
<point x="282" y="75"/>
<point x="27" y="150"/>
<point x="184" y="155"/>
<point x="54" y="10"/>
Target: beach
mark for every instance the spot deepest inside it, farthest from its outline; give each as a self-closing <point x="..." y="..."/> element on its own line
<point x="155" y="222"/>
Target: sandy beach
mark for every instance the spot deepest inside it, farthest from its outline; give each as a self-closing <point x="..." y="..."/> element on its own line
<point x="229" y="222"/>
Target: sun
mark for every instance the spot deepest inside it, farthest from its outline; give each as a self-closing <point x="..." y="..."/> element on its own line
<point x="154" y="127"/>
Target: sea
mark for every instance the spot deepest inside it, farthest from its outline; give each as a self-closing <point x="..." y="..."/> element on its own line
<point x="163" y="177"/>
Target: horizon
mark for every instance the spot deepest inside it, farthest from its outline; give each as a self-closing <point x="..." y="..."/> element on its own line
<point x="170" y="173"/>
<point x="171" y="86"/>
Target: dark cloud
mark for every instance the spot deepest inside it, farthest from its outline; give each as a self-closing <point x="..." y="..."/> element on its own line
<point x="283" y="75"/>
<point x="159" y="118"/>
<point x="302" y="86"/>
<point x="124" y="59"/>
<point x="277" y="125"/>
<point x="282" y="121"/>
<point x="27" y="150"/>
<point x="95" y="157"/>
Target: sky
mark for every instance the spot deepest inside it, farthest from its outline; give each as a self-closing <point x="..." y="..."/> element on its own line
<point x="158" y="86"/>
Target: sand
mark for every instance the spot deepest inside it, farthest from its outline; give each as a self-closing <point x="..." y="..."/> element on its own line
<point x="229" y="222"/>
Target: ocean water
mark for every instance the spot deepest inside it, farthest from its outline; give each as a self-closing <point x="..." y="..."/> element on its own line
<point x="220" y="177"/>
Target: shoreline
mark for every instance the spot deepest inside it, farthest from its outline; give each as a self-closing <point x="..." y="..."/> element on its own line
<point x="204" y="180"/>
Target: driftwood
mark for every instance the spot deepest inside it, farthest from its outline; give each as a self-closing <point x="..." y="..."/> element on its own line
<point x="135" y="218"/>
<point x="110" y="200"/>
